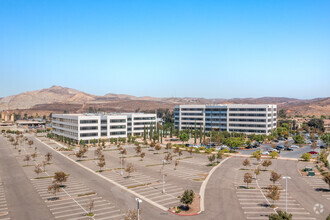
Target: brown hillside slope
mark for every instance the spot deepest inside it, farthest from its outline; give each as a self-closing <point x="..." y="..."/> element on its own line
<point x="57" y="99"/>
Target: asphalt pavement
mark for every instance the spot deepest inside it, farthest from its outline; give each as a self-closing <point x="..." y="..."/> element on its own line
<point x="23" y="202"/>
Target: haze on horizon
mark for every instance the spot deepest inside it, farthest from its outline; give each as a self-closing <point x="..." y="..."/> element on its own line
<point x="210" y="49"/>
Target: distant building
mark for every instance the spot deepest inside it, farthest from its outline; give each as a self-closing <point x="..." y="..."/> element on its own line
<point x="30" y="123"/>
<point x="244" y="118"/>
<point x="101" y="126"/>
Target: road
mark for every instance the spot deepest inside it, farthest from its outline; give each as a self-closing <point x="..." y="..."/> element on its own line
<point x="301" y="191"/>
<point x="220" y="196"/>
<point x="23" y="202"/>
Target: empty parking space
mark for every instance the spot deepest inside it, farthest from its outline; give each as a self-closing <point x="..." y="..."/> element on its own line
<point x="73" y="201"/>
<point x="148" y="187"/>
<point x="180" y="172"/>
<point x="3" y="204"/>
<point x="254" y="202"/>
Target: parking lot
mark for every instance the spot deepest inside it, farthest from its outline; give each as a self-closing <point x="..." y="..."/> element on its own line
<point x="254" y="202"/>
<point x="73" y="202"/>
<point x="3" y="204"/>
<point x="73" y="199"/>
<point x="146" y="180"/>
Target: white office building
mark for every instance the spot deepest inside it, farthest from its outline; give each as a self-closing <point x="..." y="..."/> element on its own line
<point x="245" y="118"/>
<point x="91" y="126"/>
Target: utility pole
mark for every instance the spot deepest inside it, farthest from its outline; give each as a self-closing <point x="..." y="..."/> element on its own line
<point x="286" y="191"/>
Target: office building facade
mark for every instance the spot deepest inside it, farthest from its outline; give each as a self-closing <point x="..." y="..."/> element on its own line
<point x="101" y="126"/>
<point x="242" y="118"/>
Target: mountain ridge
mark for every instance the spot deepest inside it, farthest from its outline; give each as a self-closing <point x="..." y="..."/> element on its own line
<point x="58" y="98"/>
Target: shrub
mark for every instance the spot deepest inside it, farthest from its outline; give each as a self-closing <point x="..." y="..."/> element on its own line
<point x="306" y="156"/>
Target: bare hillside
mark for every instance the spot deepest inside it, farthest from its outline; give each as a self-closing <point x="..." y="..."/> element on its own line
<point x="59" y="99"/>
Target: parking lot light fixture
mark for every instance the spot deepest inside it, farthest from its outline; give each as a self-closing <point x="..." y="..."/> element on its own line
<point x="286" y="191"/>
<point x="163" y="175"/>
<point x="138" y="207"/>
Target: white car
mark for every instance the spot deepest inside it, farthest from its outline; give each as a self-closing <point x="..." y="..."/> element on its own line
<point x="265" y="153"/>
<point x="294" y="146"/>
<point x="224" y="147"/>
<point x="271" y="150"/>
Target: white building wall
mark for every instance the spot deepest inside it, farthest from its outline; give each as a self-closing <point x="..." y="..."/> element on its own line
<point x="91" y="126"/>
<point x="254" y="118"/>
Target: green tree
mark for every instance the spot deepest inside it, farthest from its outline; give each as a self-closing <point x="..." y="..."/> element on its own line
<point x="299" y="139"/>
<point x="187" y="197"/>
<point x="184" y="137"/>
<point x="282" y="113"/>
<point x="326" y="138"/>
<point x="234" y="141"/>
<point x="273" y="154"/>
<point x="280" y="215"/>
<point x="316" y="123"/>
<point x="211" y="159"/>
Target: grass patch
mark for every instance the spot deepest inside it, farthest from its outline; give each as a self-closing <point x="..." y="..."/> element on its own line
<point x="151" y="165"/>
<point x="198" y="179"/>
<point x="43" y="177"/>
<point x="132" y="156"/>
<point x="28" y="165"/>
<point x="117" y="168"/>
<point x="86" y="194"/>
<point x="131" y="187"/>
<point x="90" y="214"/>
<point x="184" y="158"/>
<point x="100" y="171"/>
<point x="212" y="164"/>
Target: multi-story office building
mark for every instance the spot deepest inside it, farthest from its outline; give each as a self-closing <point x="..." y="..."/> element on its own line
<point x="101" y="126"/>
<point x="245" y="118"/>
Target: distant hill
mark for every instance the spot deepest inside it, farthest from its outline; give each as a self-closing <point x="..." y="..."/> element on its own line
<point x="57" y="99"/>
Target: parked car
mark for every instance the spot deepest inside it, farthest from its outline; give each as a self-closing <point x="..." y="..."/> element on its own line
<point x="276" y="141"/>
<point x="294" y="146"/>
<point x="265" y="153"/>
<point x="312" y="152"/>
<point x="271" y="150"/>
<point x="249" y="147"/>
<point x="289" y="149"/>
<point x="279" y="147"/>
<point x="224" y="147"/>
<point x="308" y="142"/>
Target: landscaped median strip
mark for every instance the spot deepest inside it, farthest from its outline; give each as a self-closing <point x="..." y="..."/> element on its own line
<point x="203" y="186"/>
<point x="105" y="178"/>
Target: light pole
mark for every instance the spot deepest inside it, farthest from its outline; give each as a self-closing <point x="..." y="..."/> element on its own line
<point x="163" y="174"/>
<point x="286" y="191"/>
<point x="121" y="164"/>
<point x="138" y="207"/>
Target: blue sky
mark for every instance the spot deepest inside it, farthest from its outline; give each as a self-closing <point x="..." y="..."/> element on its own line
<point x="212" y="49"/>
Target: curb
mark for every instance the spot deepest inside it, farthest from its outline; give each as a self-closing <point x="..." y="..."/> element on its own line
<point x="183" y="214"/>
